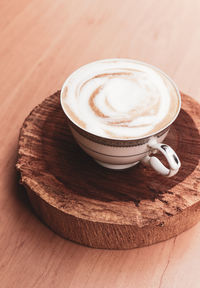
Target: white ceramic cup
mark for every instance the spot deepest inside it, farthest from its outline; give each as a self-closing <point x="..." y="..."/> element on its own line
<point x="124" y="153"/>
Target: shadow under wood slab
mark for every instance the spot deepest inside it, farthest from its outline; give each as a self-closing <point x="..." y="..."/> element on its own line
<point x="101" y="208"/>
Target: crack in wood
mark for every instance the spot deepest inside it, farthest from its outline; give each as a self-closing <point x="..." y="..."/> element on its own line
<point x="167" y="264"/>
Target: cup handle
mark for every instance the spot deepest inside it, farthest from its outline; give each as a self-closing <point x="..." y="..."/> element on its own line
<point x="156" y="164"/>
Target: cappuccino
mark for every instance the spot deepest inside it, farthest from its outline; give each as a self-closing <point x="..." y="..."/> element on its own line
<point x="120" y="99"/>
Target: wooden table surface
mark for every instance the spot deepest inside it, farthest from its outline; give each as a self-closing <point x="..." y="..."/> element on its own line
<point x="41" y="43"/>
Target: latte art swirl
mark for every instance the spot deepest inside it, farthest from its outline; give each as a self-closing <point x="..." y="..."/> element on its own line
<point x="119" y="99"/>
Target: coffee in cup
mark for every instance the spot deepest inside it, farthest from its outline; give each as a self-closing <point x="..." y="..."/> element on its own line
<point x="121" y="101"/>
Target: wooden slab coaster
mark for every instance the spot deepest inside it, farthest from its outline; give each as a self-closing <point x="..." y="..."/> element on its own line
<point x="98" y="207"/>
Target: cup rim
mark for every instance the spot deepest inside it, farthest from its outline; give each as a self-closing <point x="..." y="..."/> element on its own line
<point x="129" y="60"/>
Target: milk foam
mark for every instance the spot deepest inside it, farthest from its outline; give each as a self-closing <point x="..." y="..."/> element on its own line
<point x="119" y="99"/>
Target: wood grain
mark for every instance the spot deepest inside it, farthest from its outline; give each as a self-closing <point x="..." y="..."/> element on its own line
<point x="42" y="42"/>
<point x="99" y="207"/>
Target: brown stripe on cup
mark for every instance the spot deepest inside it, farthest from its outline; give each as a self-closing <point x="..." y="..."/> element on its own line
<point x="114" y="142"/>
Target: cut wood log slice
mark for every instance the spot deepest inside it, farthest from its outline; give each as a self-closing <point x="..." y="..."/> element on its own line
<point x="102" y="208"/>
